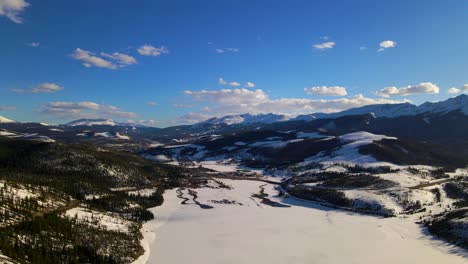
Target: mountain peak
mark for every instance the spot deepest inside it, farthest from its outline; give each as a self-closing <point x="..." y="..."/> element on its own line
<point x="377" y="110"/>
<point x="458" y="103"/>
<point x="246" y="119"/>
<point x="5" y="120"/>
<point x="92" y="122"/>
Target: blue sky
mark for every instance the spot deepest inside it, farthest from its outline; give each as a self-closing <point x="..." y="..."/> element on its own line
<point x="62" y="60"/>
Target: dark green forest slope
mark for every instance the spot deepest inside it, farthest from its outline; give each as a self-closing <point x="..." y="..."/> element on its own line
<point x="40" y="182"/>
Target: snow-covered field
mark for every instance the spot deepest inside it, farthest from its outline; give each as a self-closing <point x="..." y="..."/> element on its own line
<point x="5" y="259"/>
<point x="248" y="231"/>
<point x="99" y="219"/>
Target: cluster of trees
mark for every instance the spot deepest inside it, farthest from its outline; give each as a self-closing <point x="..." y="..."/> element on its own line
<point x="331" y="196"/>
<point x="56" y="239"/>
<point x="14" y="209"/>
<point x="458" y="189"/>
<point x="358" y="181"/>
<point x="451" y="226"/>
<point x="85" y="175"/>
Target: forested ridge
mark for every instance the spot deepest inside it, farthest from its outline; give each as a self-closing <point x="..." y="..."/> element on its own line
<point x="43" y="184"/>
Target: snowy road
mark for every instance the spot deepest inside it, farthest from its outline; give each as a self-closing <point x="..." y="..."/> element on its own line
<point x="248" y="231"/>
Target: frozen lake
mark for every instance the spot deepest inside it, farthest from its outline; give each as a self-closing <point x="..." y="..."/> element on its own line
<point x="247" y="231"/>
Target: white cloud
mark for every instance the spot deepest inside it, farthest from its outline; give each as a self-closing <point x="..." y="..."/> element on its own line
<point x="324" y="46"/>
<point x="227" y="50"/>
<point x="455" y="90"/>
<point x="12" y="9"/>
<point x="149" y="122"/>
<point x="229" y="96"/>
<point x="362" y="48"/>
<point x="152" y="104"/>
<point x="46" y="88"/>
<point x="18" y="91"/>
<point x="182" y="105"/>
<point x="327" y="90"/>
<point x="239" y="101"/>
<point x="88" y="59"/>
<point x="222" y="81"/>
<point x="120" y="58"/>
<point x="386" y="45"/>
<point x="109" y="61"/>
<point x="250" y="85"/>
<point x="191" y="118"/>
<point x="34" y="44"/>
<point x="149" y="50"/>
<point x="422" y="88"/>
<point x="40" y="88"/>
<point x="70" y="110"/>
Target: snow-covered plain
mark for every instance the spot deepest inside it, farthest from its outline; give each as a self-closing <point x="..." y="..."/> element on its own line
<point x="303" y="233"/>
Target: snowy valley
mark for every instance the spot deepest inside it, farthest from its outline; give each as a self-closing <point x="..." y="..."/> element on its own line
<point x="276" y="188"/>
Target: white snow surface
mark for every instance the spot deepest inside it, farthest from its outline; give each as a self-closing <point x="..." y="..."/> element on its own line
<point x="362" y="138"/>
<point x="6" y="133"/>
<point x="5" y="260"/>
<point x="92" y="122"/>
<point x="219" y="165"/>
<point x="157" y="158"/>
<point x="100" y="219"/>
<point x="143" y="192"/>
<point x="459" y="103"/>
<point x="246" y="119"/>
<point x="303" y="233"/>
<point x="33" y="136"/>
<point x="349" y="152"/>
<point x="112" y="135"/>
<point x="5" y="120"/>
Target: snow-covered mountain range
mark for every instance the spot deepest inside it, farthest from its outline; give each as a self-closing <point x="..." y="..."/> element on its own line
<point x="92" y="122"/>
<point x="459" y="103"/>
<point x="456" y="104"/>
<point x="247" y="119"/>
<point x="388" y="160"/>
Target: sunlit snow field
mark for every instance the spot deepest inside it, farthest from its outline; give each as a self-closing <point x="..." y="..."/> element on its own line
<point x="303" y="233"/>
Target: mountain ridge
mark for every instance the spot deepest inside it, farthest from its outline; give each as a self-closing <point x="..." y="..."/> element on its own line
<point x="458" y="103"/>
<point x="378" y="110"/>
<point x="5" y="120"/>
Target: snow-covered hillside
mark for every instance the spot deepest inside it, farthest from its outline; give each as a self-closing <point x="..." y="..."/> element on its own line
<point x="27" y="136"/>
<point x="349" y="151"/>
<point x="381" y="110"/>
<point x="92" y="122"/>
<point x="5" y="120"/>
<point x="247" y="119"/>
<point x="459" y="103"/>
